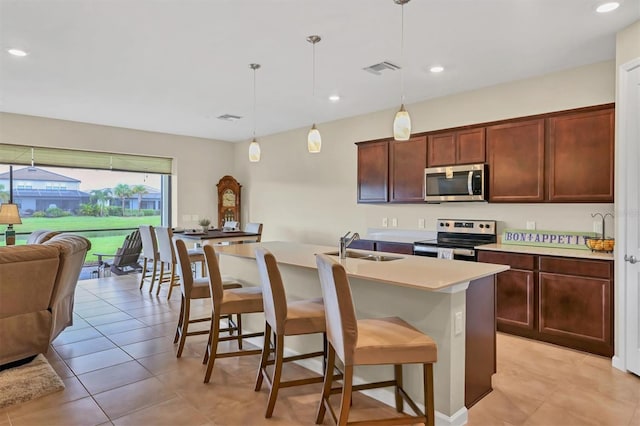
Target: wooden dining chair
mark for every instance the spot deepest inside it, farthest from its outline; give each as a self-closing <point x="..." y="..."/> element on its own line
<point x="150" y="255"/>
<point x="374" y="341"/>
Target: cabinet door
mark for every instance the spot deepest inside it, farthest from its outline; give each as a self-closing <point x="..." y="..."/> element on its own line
<point x="581" y="155"/>
<point x="516" y="161"/>
<point x="470" y="146"/>
<point x="576" y="310"/>
<point x="407" y="161"/>
<point x="515" y="295"/>
<point x="373" y="172"/>
<point x="390" y="247"/>
<point x="442" y="150"/>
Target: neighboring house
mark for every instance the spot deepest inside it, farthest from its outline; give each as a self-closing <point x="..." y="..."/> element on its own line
<point x="36" y="189"/>
<point x="151" y="199"/>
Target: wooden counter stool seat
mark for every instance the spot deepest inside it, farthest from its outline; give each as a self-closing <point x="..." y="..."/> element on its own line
<point x="284" y="319"/>
<point x="227" y="302"/>
<point x="192" y="288"/>
<point x="376" y="341"/>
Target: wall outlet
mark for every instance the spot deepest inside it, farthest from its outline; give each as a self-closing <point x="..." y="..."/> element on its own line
<point x="186" y="218"/>
<point x="457" y="328"/>
<point x="421" y="223"/>
<point x="531" y="224"/>
<point x="394" y="222"/>
<point x="385" y="222"/>
<point x="195" y="217"/>
<point x="597" y="226"/>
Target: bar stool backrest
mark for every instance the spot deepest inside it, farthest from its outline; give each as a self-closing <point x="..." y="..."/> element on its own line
<point x="215" y="279"/>
<point x="165" y="245"/>
<point x="340" y="314"/>
<point x="273" y="294"/>
<point x="149" y="242"/>
<point x="184" y="266"/>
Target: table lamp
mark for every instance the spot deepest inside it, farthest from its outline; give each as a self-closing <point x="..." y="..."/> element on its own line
<point x="9" y="215"/>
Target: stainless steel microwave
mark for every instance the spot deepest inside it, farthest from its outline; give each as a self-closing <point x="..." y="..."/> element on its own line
<point x="456" y="183"/>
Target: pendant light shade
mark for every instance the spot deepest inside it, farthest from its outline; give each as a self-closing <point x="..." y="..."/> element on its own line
<point x="402" y="125"/>
<point x="314" y="140"/>
<point x="254" y="147"/>
<point x="402" y="121"/>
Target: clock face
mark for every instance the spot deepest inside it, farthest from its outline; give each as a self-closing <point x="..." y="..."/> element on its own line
<point x="228" y="198"/>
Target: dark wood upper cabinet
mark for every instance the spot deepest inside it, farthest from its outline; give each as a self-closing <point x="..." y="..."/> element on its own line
<point x="581" y="157"/>
<point x="373" y="172"/>
<point x="516" y="161"/>
<point x="459" y="147"/>
<point x="407" y="161"/>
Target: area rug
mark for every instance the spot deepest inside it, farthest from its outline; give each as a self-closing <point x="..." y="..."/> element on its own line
<point x="28" y="381"/>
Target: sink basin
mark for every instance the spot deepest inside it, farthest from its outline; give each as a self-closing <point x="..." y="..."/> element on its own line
<point x="364" y="256"/>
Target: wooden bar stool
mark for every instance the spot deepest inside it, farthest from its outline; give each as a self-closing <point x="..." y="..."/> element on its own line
<point x="166" y="253"/>
<point x="375" y="341"/>
<point x="227" y="302"/>
<point x="194" y="289"/>
<point x="284" y="319"/>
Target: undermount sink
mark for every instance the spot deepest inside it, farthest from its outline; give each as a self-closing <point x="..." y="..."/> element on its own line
<point x="364" y="256"/>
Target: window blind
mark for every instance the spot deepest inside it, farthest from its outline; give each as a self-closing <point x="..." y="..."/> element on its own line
<point x="57" y="157"/>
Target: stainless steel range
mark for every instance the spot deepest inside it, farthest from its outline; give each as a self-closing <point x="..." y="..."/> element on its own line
<point x="457" y="238"/>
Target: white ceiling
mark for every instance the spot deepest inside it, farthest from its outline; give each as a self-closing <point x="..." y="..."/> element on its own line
<point x="173" y="66"/>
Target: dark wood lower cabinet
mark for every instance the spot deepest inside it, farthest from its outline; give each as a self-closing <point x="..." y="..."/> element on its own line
<point x="565" y="301"/>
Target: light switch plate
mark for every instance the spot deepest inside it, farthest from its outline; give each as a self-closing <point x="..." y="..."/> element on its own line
<point x="597" y="226"/>
<point x="385" y="222"/>
<point x="531" y="224"/>
<point x="394" y="222"/>
<point x="421" y="223"/>
<point x="458" y="323"/>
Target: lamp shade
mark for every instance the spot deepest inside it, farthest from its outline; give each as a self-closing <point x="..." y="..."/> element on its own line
<point x="314" y="140"/>
<point x="9" y="214"/>
<point x="254" y="151"/>
<point x="402" y="125"/>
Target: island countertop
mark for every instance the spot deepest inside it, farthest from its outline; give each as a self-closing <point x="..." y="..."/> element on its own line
<point x="418" y="272"/>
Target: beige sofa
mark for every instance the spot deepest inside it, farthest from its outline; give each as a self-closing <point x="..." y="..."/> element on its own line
<point x="37" y="285"/>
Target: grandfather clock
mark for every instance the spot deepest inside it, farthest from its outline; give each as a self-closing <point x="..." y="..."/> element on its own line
<point x="228" y="200"/>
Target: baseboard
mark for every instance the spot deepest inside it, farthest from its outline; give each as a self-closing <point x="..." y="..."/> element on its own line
<point x="618" y="363"/>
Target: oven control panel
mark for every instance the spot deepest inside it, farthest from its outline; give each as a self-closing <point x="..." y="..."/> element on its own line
<point x="466" y="226"/>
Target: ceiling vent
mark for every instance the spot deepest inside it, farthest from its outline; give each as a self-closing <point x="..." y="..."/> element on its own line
<point x="229" y="117"/>
<point x="382" y="66"/>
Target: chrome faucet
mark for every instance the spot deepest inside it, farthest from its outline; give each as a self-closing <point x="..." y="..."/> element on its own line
<point x="344" y="243"/>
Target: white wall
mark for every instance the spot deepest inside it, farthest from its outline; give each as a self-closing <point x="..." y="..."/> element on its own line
<point x="198" y="163"/>
<point x="312" y="197"/>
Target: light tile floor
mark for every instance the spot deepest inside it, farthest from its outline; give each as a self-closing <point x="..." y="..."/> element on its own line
<point x="119" y="366"/>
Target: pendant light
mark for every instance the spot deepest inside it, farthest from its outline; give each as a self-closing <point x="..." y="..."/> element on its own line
<point x="254" y="147"/>
<point x="314" y="141"/>
<point x="402" y="122"/>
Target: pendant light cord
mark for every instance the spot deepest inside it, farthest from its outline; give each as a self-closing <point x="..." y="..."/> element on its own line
<point x="254" y="102"/>
<point x="402" y="55"/>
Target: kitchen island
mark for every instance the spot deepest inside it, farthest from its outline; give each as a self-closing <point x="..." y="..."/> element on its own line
<point x="452" y="301"/>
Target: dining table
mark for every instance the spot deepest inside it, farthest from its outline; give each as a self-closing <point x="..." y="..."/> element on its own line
<point x="216" y="236"/>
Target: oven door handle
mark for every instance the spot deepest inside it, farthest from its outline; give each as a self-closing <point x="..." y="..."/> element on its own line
<point x="456" y="251"/>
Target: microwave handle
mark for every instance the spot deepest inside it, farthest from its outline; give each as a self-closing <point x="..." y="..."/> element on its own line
<point x="470" y="182"/>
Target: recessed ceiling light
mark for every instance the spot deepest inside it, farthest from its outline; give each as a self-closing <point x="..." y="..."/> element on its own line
<point x="17" y="52"/>
<point x="607" y="7"/>
<point x="436" y="69"/>
<point x="334" y="98"/>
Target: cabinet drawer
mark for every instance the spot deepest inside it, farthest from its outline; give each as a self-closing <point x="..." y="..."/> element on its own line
<point x="401" y="248"/>
<point x="515" y="260"/>
<point x="580" y="267"/>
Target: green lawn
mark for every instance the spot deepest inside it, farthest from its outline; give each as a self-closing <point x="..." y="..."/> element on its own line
<point x="103" y="242"/>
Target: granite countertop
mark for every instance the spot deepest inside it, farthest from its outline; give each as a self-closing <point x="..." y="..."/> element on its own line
<point x="547" y="251"/>
<point x="419" y="272"/>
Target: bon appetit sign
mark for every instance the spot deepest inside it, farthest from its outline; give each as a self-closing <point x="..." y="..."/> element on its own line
<point x="559" y="239"/>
